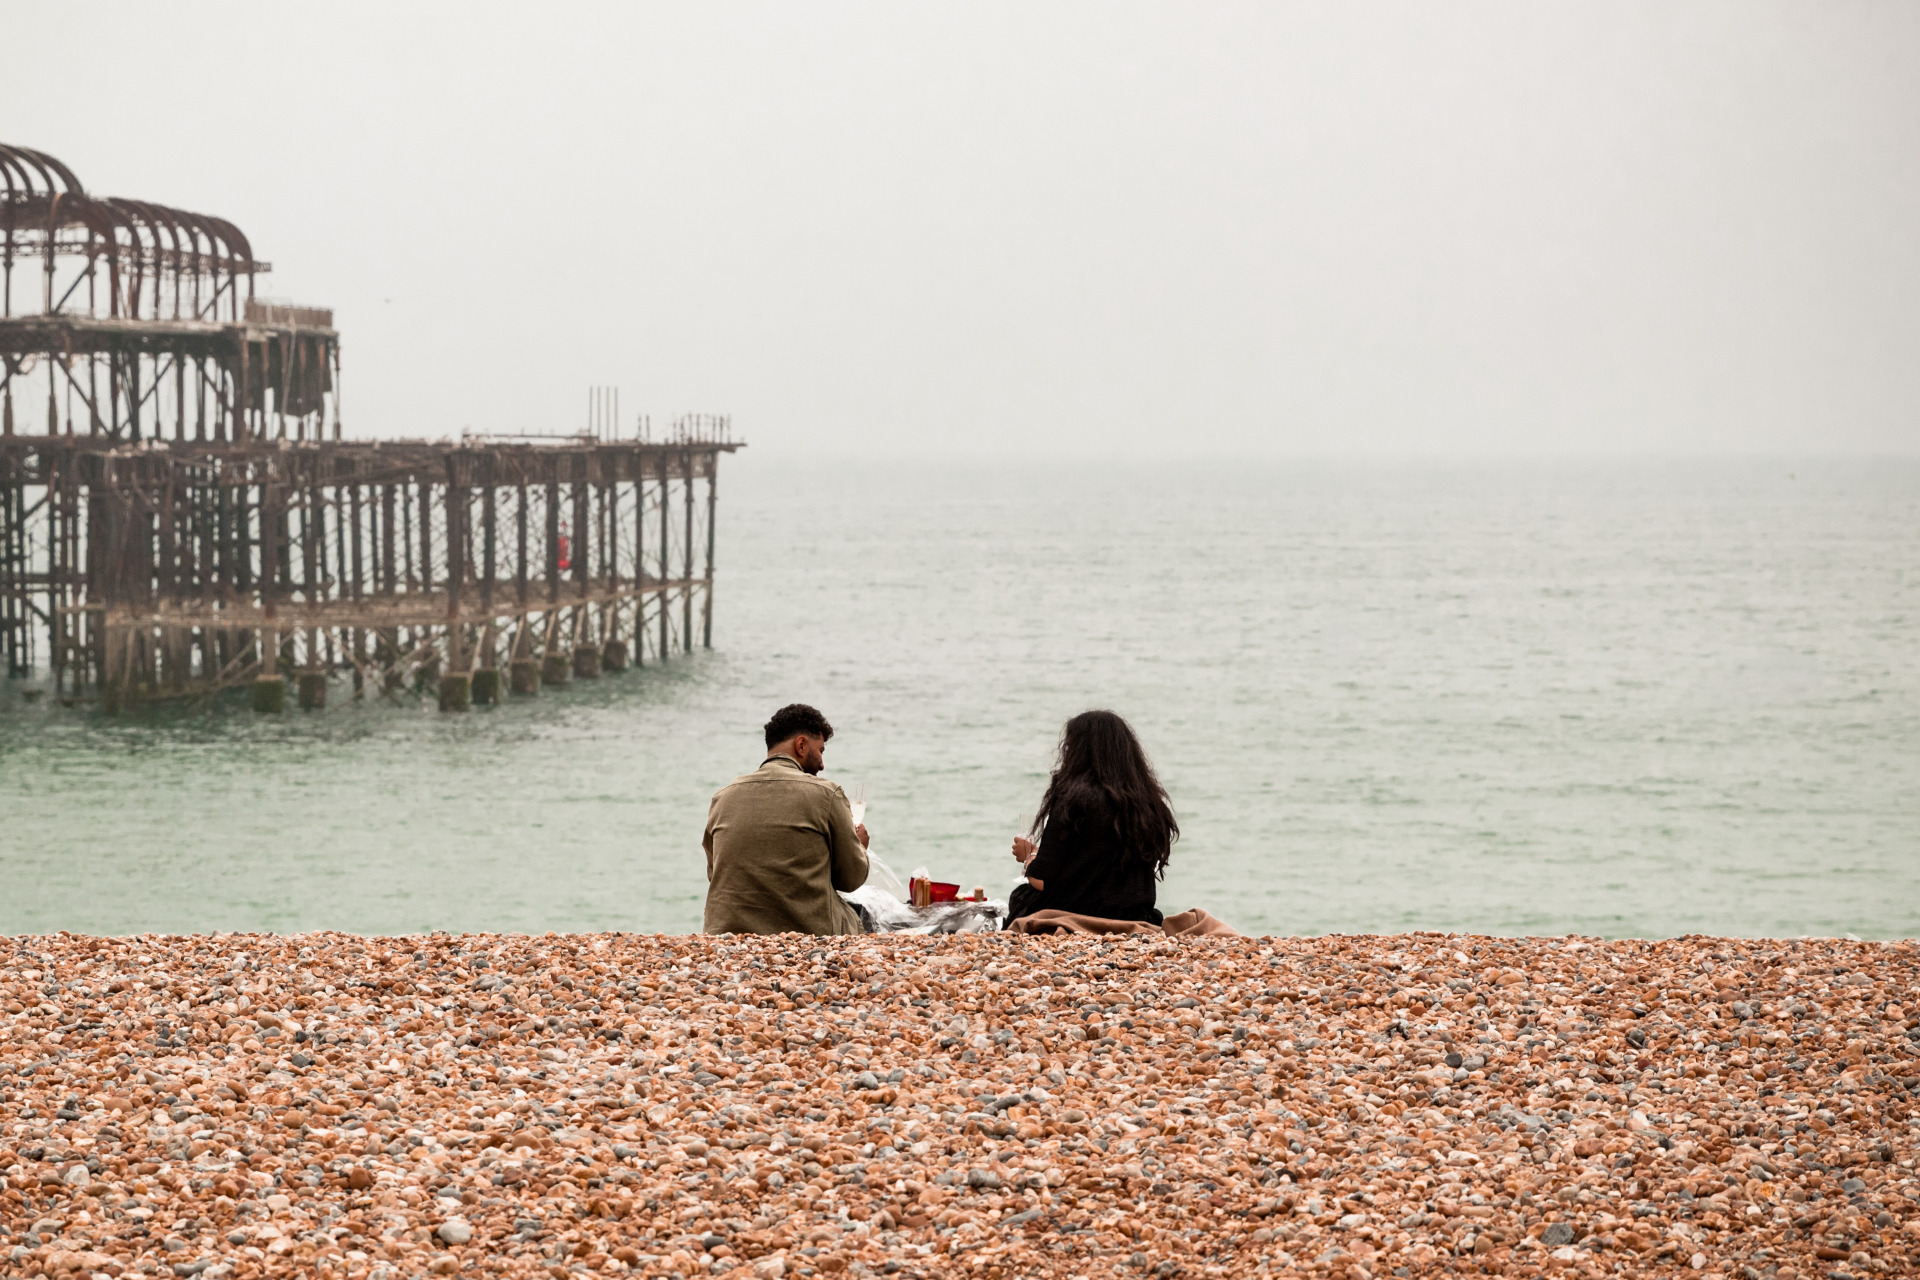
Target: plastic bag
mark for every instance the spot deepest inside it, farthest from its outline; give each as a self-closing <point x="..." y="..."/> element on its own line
<point x="880" y="876"/>
<point x="883" y="913"/>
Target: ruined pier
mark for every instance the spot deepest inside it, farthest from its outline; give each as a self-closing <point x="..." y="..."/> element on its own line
<point x="180" y="513"/>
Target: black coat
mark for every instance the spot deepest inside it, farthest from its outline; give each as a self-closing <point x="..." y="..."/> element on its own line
<point x="1087" y="870"/>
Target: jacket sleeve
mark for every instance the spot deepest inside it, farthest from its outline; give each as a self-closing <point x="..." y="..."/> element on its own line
<point x="848" y="860"/>
<point x="1056" y="849"/>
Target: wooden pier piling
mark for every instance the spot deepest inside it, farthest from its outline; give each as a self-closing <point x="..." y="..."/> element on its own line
<point x="456" y="692"/>
<point x="269" y="695"/>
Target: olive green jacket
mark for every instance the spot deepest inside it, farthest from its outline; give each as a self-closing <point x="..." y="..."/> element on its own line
<point x="779" y="843"/>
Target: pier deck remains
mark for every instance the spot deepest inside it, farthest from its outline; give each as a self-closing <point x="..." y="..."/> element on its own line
<point x="180" y="514"/>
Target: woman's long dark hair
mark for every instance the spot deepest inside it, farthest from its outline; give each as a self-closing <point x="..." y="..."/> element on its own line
<point x="1103" y="771"/>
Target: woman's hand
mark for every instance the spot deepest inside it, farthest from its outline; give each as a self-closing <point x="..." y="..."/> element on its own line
<point x="1023" y="850"/>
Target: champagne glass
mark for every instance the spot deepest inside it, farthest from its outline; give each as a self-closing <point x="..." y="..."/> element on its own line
<point x="857" y="798"/>
<point x="1023" y="828"/>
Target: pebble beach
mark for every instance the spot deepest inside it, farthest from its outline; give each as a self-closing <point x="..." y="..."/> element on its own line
<point x="380" y="1108"/>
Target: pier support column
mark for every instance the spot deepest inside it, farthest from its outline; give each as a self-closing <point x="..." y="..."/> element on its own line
<point x="524" y="676"/>
<point x="557" y="668"/>
<point x="313" y="690"/>
<point x="456" y="693"/>
<point x="613" y="657"/>
<point x="270" y="695"/>
<point x="486" y="686"/>
<point x="117" y="689"/>
<point x="586" y="663"/>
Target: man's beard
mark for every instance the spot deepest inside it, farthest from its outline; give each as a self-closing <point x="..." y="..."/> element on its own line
<point x="812" y="767"/>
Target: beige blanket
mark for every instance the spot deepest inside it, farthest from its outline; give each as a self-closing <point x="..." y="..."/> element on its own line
<point x="1188" y="924"/>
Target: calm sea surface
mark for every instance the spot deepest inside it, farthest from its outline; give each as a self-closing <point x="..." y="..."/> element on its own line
<point x="1619" y="698"/>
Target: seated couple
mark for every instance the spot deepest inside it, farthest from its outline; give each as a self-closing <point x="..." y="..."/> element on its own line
<point x="782" y="845"/>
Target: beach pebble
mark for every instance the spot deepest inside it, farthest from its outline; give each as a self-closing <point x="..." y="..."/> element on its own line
<point x="986" y="1105"/>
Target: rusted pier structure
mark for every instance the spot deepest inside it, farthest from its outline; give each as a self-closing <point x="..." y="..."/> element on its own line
<point x="167" y="570"/>
<point x="184" y="516"/>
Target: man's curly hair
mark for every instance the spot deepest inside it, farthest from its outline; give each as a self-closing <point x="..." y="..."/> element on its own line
<point x="797" y="717"/>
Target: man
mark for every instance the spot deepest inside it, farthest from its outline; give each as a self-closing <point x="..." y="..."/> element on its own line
<point x="781" y="840"/>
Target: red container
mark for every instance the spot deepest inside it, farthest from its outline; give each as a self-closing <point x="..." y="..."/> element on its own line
<point x="944" y="892"/>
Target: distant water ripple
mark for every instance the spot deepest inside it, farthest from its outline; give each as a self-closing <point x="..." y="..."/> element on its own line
<point x="1627" y="698"/>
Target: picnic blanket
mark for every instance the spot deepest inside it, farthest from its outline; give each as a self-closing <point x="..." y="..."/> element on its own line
<point x="1196" y="923"/>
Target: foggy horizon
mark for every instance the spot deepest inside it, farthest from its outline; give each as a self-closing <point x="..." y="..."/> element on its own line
<point x="1070" y="231"/>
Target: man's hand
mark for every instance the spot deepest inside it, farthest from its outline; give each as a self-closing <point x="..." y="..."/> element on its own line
<point x="860" y="833"/>
<point x="1023" y="850"/>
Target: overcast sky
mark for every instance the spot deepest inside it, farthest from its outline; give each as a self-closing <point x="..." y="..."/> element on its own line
<point x="1058" y="228"/>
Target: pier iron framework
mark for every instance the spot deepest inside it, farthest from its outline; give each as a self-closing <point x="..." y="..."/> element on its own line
<point x="179" y="512"/>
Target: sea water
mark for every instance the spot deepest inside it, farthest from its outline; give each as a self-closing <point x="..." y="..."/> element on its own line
<point x="1638" y="697"/>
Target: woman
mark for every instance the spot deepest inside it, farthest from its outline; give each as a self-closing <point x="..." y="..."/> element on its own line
<point x="1105" y="828"/>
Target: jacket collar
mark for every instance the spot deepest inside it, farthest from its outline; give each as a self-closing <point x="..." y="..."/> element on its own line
<point x="777" y="758"/>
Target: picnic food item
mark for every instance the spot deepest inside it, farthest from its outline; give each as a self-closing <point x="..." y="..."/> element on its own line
<point x="924" y="891"/>
<point x="992" y="1105"/>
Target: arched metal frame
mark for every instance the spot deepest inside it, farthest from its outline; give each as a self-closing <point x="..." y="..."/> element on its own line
<point x="133" y="296"/>
<point x="144" y="246"/>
